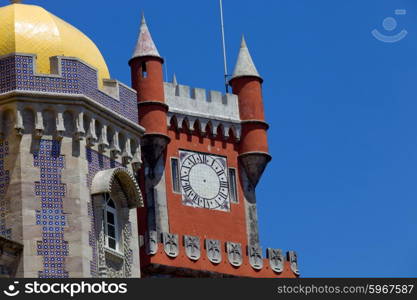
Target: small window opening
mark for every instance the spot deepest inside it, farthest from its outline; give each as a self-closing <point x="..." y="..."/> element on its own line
<point x="232" y="186"/>
<point x="144" y="70"/>
<point x="110" y="224"/>
<point x="175" y="175"/>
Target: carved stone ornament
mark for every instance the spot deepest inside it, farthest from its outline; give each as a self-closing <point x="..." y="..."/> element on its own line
<point x="116" y="182"/>
<point x="256" y="259"/>
<point x="152" y="243"/>
<point x="276" y="259"/>
<point x="171" y="246"/>
<point x="192" y="247"/>
<point x="293" y="259"/>
<point x="234" y="254"/>
<point x="213" y="251"/>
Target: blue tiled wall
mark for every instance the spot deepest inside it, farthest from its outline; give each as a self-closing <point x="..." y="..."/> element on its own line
<point x="50" y="192"/>
<point x="17" y="73"/>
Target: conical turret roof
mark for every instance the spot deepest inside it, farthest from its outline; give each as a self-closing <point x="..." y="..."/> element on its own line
<point x="145" y="45"/>
<point x="245" y="65"/>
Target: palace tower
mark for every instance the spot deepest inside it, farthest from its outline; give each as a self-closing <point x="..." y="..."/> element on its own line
<point x="99" y="179"/>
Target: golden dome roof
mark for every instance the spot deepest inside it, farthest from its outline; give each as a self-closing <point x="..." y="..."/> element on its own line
<point x="33" y="30"/>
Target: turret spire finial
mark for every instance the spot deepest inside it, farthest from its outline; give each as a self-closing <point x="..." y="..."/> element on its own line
<point x="245" y="65"/>
<point x="15" y="1"/>
<point x="145" y="45"/>
<point x="174" y="79"/>
<point x="243" y="42"/>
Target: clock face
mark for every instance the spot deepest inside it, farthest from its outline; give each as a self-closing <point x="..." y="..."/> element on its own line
<point x="204" y="181"/>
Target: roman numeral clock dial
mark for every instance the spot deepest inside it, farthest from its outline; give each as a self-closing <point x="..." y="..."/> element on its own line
<point x="204" y="181"/>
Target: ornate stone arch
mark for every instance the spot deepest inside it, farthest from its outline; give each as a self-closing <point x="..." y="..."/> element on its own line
<point x="120" y="184"/>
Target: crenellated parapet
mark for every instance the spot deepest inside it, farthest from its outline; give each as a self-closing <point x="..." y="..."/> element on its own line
<point x="69" y="77"/>
<point x="221" y="257"/>
<point x="206" y="111"/>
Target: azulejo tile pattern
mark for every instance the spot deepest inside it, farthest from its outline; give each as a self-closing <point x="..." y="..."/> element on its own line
<point x="7" y="74"/>
<point x="77" y="78"/>
<point x="96" y="162"/>
<point x="92" y="242"/>
<point x="50" y="191"/>
<point x="4" y="184"/>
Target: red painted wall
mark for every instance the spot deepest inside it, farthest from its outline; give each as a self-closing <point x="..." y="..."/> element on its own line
<point x="204" y="223"/>
<point x="226" y="226"/>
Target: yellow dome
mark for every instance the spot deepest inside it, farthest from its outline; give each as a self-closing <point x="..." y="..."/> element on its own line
<point x="32" y="29"/>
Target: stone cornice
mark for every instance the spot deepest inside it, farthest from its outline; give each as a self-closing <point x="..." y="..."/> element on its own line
<point x="58" y="98"/>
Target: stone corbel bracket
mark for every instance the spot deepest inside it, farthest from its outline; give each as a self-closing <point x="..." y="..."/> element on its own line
<point x="204" y="126"/>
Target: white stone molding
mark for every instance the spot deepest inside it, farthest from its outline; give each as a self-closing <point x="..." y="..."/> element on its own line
<point x="91" y="136"/>
<point x="19" y="128"/>
<point x="39" y="128"/>
<point x="115" y="146"/>
<point x="60" y="126"/>
<point x="110" y="181"/>
<point x="207" y="126"/>
<point x="103" y="143"/>
<point x="79" y="126"/>
<point x="137" y="158"/>
<point x="127" y="152"/>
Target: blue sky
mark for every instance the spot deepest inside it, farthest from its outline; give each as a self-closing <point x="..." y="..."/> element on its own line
<point x="341" y="189"/>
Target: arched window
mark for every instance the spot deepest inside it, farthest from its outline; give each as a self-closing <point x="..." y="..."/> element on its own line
<point x="115" y="193"/>
<point x="110" y="224"/>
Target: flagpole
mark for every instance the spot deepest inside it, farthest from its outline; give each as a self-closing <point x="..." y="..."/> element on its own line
<point x="224" y="47"/>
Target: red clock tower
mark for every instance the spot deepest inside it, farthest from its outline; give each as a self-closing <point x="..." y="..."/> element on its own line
<point x="204" y="153"/>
